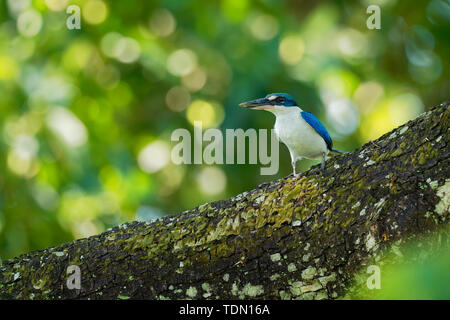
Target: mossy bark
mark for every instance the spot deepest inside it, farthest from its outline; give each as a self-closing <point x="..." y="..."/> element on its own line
<point x="298" y="237"/>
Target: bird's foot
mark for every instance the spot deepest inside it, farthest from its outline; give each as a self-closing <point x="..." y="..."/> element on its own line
<point x="294" y="171"/>
<point x="322" y="165"/>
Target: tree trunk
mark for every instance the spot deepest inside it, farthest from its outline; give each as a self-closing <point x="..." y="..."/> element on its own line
<point x="302" y="237"/>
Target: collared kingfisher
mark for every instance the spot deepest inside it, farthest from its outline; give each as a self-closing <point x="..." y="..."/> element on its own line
<point x="303" y="134"/>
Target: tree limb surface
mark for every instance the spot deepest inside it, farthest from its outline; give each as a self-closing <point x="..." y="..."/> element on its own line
<point x="295" y="238"/>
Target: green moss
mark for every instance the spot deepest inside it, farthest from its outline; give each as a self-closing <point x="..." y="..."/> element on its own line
<point x="397" y="152"/>
<point x="425" y="153"/>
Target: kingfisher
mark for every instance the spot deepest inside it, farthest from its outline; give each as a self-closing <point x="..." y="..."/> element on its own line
<point x="303" y="134"/>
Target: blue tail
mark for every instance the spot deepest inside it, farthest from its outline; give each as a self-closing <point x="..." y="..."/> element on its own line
<point x="338" y="151"/>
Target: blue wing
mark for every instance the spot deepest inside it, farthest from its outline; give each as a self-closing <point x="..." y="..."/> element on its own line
<point x="318" y="127"/>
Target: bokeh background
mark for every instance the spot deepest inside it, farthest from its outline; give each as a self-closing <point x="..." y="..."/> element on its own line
<point x="86" y="115"/>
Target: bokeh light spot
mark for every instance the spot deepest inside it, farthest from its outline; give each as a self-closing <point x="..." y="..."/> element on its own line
<point x="124" y="49"/>
<point x="25" y="167"/>
<point x="291" y="49"/>
<point x="181" y="62"/>
<point x="77" y="56"/>
<point x="178" y="98"/>
<point x="154" y="156"/>
<point x="339" y="82"/>
<point x="171" y="177"/>
<point x="367" y="95"/>
<point x="350" y="42"/>
<point x="343" y="116"/>
<point x="56" y="5"/>
<point x="25" y="146"/>
<point x="428" y="71"/>
<point x="29" y="23"/>
<point x="78" y="213"/>
<point x="438" y="12"/>
<point x="17" y="6"/>
<point x="211" y="180"/>
<point x="8" y="68"/>
<point x="67" y="126"/>
<point x="45" y="195"/>
<point x="208" y="113"/>
<point x="127" y="50"/>
<point x="195" y="80"/>
<point x="235" y="10"/>
<point x="405" y="107"/>
<point x="162" y="22"/>
<point x="95" y="11"/>
<point x="108" y="76"/>
<point x="264" y="27"/>
<point x="109" y="42"/>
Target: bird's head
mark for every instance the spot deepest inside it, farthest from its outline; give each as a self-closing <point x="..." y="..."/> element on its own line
<point x="271" y="102"/>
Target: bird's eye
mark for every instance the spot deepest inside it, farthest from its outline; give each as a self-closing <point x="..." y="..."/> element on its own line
<point x="281" y="99"/>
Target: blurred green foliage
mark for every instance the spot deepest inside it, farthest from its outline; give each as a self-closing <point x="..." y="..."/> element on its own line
<point x="416" y="270"/>
<point x="86" y="115"/>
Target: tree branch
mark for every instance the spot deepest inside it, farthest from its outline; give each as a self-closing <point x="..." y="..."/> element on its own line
<point x="299" y="237"/>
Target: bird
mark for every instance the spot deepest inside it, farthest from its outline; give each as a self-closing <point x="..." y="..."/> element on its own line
<point x="303" y="134"/>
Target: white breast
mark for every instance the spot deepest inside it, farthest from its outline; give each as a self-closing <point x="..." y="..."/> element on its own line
<point x="300" y="138"/>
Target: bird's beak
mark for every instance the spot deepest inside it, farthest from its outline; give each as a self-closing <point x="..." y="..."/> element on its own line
<point x="259" y="104"/>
